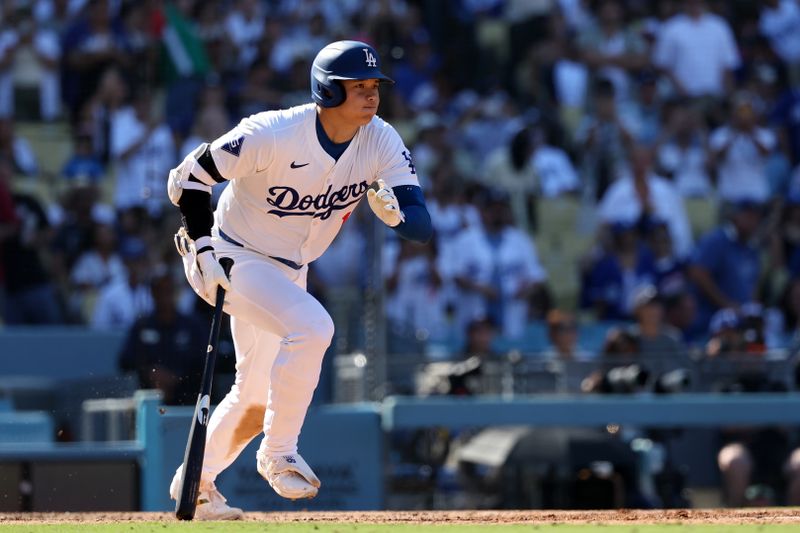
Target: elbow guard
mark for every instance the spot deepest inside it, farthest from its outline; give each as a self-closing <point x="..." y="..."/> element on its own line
<point x="196" y="172"/>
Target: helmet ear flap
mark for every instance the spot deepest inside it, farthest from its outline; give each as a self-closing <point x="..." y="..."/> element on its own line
<point x="328" y="94"/>
<point x="338" y="93"/>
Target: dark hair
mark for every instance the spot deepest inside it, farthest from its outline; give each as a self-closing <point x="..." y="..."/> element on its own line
<point x="520" y="148"/>
<point x="604" y="88"/>
<point x="479" y="324"/>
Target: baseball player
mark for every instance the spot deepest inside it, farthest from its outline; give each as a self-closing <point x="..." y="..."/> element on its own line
<point x="295" y="176"/>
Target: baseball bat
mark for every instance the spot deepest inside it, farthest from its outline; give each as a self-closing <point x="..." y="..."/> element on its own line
<point x="196" y="445"/>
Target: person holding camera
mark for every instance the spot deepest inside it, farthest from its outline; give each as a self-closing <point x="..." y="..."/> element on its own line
<point x="739" y="153"/>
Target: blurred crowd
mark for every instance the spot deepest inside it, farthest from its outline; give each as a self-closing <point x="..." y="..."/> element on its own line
<point x="634" y="163"/>
<point x="609" y="145"/>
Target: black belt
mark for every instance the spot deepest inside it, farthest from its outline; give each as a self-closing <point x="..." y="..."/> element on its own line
<point x="287" y="262"/>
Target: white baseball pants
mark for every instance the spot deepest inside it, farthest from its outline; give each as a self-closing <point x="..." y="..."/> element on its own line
<point x="280" y="333"/>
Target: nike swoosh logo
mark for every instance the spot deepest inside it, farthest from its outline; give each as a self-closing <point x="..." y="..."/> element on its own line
<point x="295" y="165"/>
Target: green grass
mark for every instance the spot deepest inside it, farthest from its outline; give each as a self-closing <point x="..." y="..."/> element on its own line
<point x="266" y="527"/>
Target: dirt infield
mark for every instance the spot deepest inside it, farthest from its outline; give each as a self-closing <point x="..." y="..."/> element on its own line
<point x="692" y="516"/>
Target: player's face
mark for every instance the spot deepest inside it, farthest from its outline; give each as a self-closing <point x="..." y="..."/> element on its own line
<point x="362" y="100"/>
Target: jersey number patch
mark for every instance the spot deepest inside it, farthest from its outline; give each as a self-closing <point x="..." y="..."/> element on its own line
<point x="234" y="146"/>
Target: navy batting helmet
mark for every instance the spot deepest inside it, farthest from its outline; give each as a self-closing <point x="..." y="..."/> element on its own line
<point x="343" y="60"/>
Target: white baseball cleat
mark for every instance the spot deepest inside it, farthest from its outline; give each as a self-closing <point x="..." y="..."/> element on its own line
<point x="210" y="502"/>
<point x="289" y="476"/>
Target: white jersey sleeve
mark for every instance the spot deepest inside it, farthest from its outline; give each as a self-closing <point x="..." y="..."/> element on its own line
<point x="245" y="150"/>
<point x="395" y="166"/>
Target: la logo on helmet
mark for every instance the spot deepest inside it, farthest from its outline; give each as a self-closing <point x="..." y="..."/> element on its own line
<point x="371" y="61"/>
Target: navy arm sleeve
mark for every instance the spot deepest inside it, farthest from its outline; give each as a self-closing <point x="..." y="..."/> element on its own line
<point x="417" y="227"/>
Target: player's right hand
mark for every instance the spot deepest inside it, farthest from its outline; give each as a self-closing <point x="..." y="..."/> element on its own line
<point x="211" y="273"/>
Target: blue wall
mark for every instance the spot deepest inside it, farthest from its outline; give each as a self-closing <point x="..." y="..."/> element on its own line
<point x="343" y="444"/>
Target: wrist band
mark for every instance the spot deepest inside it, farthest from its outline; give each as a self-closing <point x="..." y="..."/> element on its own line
<point x="205" y="249"/>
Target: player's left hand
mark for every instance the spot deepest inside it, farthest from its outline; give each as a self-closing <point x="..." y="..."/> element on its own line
<point x="385" y="205"/>
<point x="212" y="273"/>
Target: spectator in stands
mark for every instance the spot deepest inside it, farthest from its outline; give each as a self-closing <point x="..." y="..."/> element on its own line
<point x="642" y="197"/>
<point x="32" y="68"/>
<point x="511" y="169"/>
<point x="496" y="269"/>
<point x="30" y="296"/>
<point x="612" y="279"/>
<point x="680" y="312"/>
<point x="784" y="115"/>
<point x="79" y="207"/>
<point x="245" y="26"/>
<point x="450" y="212"/>
<point x="656" y="338"/>
<point x="779" y="22"/>
<point x="643" y="113"/>
<point x="90" y="45"/>
<point x="610" y="50"/>
<point x="725" y="267"/>
<point x="726" y="334"/>
<point x="570" y="85"/>
<point x="94" y="269"/>
<point x="122" y="301"/>
<point x="739" y="152"/>
<point x="186" y="65"/>
<point x="694" y="74"/>
<point x="670" y="270"/>
<point x="480" y="337"/>
<point x="211" y="122"/>
<point x="489" y="125"/>
<point x="416" y="301"/>
<point x="95" y="117"/>
<point x="143" y="151"/>
<point x="555" y="173"/>
<point x="416" y="71"/>
<point x="784" y="248"/>
<point x="603" y="141"/>
<point x="259" y="92"/>
<point x="682" y="152"/>
<point x="562" y="332"/>
<point x="16" y="150"/>
<point x="140" y="22"/>
<point x="9" y="41"/>
<point x="617" y="374"/>
<point x="162" y="346"/>
<point x="83" y="165"/>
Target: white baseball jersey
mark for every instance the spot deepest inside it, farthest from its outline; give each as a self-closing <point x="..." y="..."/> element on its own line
<point x="287" y="197"/>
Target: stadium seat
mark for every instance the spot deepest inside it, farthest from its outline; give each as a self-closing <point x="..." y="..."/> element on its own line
<point x="532" y="341"/>
<point x="26" y="427"/>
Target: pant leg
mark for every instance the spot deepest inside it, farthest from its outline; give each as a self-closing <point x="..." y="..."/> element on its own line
<point x="273" y="298"/>
<point x="240" y="415"/>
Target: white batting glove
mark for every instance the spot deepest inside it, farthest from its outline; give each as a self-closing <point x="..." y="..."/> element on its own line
<point x="210" y="270"/>
<point x="385" y="205"/>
